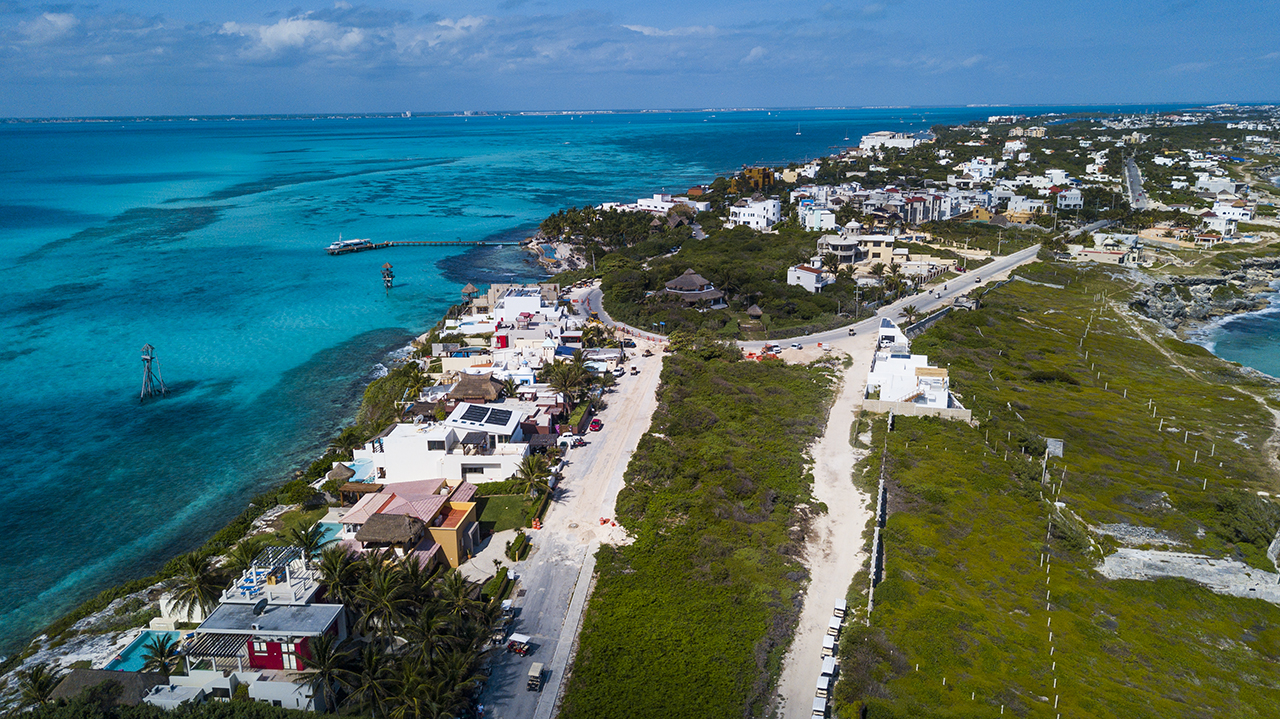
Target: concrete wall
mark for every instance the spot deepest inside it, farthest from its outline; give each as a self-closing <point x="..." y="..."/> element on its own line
<point x="909" y="409"/>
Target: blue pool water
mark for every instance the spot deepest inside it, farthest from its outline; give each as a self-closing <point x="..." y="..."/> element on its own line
<point x="206" y="239"/>
<point x="331" y="530"/>
<point x="131" y="659"/>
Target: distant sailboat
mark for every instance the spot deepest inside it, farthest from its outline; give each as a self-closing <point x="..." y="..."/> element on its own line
<point x="846" y="134"/>
<point x="797" y="129"/>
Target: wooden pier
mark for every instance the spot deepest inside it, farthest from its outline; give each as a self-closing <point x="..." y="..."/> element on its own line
<point x="413" y="243"/>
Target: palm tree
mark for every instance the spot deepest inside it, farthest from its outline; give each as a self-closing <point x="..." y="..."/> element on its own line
<point x="417" y="579"/>
<point x="241" y="556"/>
<point x="909" y="313"/>
<point x="310" y="540"/>
<point x="327" y="668"/>
<point x="454" y="593"/>
<point x="340" y="572"/>
<point x="427" y="632"/>
<point x="458" y="669"/>
<point x="510" y="387"/>
<point x="195" y="586"/>
<point x="370" y="679"/>
<point x="36" y="685"/>
<point x="347" y="441"/>
<point x="382" y="596"/>
<point x="532" y="473"/>
<point x="161" y="654"/>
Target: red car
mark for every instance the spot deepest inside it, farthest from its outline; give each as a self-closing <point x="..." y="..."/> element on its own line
<point x="596" y="425"/>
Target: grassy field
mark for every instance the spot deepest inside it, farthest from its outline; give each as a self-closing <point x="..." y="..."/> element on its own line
<point x="693" y="618"/>
<point x="504" y="511"/>
<point x="968" y="536"/>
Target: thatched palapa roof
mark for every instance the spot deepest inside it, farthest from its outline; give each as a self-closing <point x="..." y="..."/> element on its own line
<point x="391" y="529"/>
<point x="755" y="312"/>
<point x="340" y="472"/>
<point x="133" y="685"/>
<point x="476" y="388"/>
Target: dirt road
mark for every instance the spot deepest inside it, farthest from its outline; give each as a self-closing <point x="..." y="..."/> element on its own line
<point x="833" y="550"/>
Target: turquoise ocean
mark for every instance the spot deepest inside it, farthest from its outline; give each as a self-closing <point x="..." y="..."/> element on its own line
<point x="205" y="238"/>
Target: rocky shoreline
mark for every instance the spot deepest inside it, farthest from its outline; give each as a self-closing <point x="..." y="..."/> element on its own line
<point x="1187" y="304"/>
<point x="565" y="256"/>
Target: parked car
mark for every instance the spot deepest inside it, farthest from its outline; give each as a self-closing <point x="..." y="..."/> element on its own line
<point x="647" y="353"/>
<point x="596" y="425"/>
<point x="797" y="346"/>
<point x="628" y="343"/>
<point x="618" y="371"/>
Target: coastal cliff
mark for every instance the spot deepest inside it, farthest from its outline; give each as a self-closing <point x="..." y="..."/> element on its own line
<point x="1181" y="303"/>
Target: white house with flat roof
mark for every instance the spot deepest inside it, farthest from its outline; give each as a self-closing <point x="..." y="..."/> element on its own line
<point x="756" y="214"/>
<point x="904" y="381"/>
<point x="816" y="219"/>
<point x="476" y="442"/>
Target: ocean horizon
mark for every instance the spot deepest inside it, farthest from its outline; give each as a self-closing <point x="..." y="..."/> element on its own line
<point x="206" y="239"/>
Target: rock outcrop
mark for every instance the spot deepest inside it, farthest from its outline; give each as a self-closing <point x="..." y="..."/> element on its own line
<point x="1179" y="301"/>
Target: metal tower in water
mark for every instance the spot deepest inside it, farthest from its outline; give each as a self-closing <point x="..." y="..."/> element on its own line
<point x="388" y="277"/>
<point x="152" y="384"/>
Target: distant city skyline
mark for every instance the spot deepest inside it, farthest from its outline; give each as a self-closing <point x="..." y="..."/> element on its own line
<point x="149" y="57"/>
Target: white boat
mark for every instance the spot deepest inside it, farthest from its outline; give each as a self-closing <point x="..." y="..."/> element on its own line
<point x="342" y="244"/>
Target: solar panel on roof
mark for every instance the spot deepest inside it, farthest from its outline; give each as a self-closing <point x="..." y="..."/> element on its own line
<point x="499" y="416"/>
<point x="474" y="414"/>
<point x="885" y="322"/>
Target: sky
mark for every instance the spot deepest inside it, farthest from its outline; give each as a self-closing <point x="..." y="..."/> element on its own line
<point x="158" y="57"/>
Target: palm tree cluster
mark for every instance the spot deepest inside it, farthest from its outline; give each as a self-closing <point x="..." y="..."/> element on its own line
<point x="570" y="378"/>
<point x="423" y="637"/>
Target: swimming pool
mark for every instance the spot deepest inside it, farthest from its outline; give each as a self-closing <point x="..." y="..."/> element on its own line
<point x="332" y="530"/>
<point x="132" y="659"/>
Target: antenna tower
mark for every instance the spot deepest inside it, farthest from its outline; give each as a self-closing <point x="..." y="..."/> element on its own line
<point x="152" y="384"/>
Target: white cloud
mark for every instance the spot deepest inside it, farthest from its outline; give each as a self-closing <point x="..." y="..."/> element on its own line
<point x="49" y="26"/>
<point x="673" y="32"/>
<point x="756" y="53"/>
<point x="296" y="33"/>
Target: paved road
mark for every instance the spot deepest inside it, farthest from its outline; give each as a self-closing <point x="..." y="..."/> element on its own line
<point x="1133" y="185"/>
<point x="1091" y="227"/>
<point x="925" y="303"/>
<point x="555" y="577"/>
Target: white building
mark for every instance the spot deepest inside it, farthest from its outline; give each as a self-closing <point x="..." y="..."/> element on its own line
<point x="1237" y="210"/>
<point x="477" y="442"/>
<point x="899" y="376"/>
<point x="811" y="277"/>
<point x="885" y="138"/>
<point x="528" y="301"/>
<point x="756" y="214"/>
<point x="1070" y="200"/>
<point x="817" y="219"/>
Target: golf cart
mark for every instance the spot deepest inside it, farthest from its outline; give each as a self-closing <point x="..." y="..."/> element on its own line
<point x="519" y="644"/>
<point x="534" y="684"/>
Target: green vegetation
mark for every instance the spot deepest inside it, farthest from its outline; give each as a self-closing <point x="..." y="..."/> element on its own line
<point x="498" y="513"/>
<point x="100" y="702"/>
<point x="963" y="589"/>
<point x="692" y="619"/>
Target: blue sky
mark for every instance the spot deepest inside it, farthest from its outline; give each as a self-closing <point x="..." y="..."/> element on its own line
<point x="133" y="57"/>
